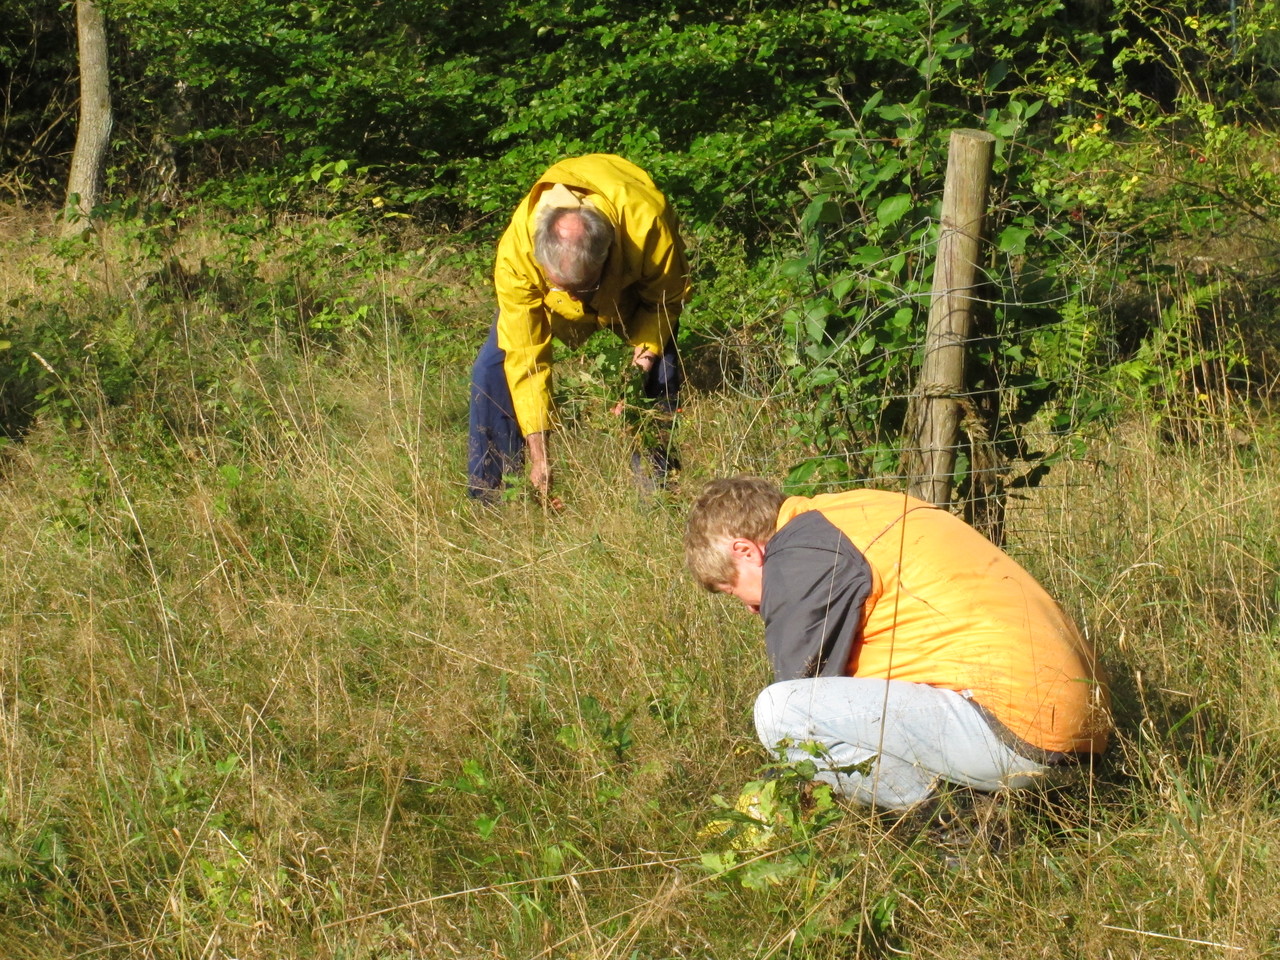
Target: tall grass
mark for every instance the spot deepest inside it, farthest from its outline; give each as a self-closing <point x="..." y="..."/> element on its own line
<point x="271" y="686"/>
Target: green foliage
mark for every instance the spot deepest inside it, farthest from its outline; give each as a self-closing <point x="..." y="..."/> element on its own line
<point x="463" y="105"/>
<point x="779" y="833"/>
<point x="864" y="278"/>
<point x="1078" y="214"/>
<point x="31" y="864"/>
<point x="600" y="385"/>
<point x="63" y="363"/>
<point x="787" y="809"/>
<point x="1122" y="129"/>
<point x="1181" y="363"/>
<point x="72" y="349"/>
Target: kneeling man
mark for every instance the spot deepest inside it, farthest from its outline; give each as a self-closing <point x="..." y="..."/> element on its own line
<point x="908" y="650"/>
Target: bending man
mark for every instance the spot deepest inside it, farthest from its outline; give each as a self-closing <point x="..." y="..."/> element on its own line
<point x="594" y="245"/>
<point x="903" y="642"/>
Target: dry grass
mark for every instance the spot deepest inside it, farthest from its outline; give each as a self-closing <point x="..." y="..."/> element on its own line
<point x="271" y="686"/>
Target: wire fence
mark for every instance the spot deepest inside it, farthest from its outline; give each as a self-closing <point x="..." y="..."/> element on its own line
<point x="1055" y="362"/>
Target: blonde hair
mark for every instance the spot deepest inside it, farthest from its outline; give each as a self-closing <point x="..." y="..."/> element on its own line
<point x="727" y="509"/>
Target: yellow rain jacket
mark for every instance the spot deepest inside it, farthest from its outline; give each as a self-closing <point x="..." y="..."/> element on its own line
<point x="643" y="287"/>
<point x="884" y="585"/>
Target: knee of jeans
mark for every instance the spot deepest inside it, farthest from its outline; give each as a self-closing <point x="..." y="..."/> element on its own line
<point x="772" y="716"/>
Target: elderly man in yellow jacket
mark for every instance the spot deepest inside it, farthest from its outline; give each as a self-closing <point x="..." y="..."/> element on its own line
<point x="594" y="245"/>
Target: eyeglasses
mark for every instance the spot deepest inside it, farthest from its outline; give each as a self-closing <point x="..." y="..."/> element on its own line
<point x="580" y="293"/>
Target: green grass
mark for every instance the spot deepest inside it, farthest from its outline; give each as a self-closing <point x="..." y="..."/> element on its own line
<point x="270" y="686"/>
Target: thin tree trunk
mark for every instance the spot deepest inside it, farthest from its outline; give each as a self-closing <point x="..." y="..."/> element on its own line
<point x="93" y="135"/>
<point x="162" y="176"/>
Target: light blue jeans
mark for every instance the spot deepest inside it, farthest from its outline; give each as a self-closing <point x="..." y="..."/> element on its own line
<point x="916" y="736"/>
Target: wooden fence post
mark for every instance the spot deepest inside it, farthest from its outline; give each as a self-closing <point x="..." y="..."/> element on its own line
<point x="937" y="411"/>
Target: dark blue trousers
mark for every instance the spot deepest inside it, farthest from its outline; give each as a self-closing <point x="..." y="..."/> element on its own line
<point x="495" y="445"/>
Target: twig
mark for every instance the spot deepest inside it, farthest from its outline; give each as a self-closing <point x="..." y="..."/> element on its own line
<point x="526" y="566"/>
<point x="495" y="887"/>
<point x="1169" y="936"/>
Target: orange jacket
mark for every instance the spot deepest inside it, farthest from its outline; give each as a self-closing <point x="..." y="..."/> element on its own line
<point x="948" y="608"/>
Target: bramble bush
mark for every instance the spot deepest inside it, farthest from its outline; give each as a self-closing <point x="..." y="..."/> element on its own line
<point x="1101" y="186"/>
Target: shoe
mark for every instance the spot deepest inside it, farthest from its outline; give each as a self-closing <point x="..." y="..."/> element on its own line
<point x="965" y="825"/>
<point x="654" y="470"/>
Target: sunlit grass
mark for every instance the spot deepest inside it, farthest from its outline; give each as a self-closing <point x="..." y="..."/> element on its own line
<point x="270" y="685"/>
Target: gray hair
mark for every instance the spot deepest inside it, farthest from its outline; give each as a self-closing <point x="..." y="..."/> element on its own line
<point x="574" y="263"/>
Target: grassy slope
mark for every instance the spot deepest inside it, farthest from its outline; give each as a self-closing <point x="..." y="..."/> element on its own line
<point x="270" y="686"/>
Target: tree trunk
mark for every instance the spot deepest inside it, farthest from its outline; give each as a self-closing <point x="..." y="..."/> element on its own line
<point x="93" y="136"/>
<point x="161" y="179"/>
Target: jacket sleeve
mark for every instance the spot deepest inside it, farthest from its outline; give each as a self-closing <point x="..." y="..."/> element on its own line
<point x="524" y="333"/>
<point x="816" y="583"/>
<point x="664" y="282"/>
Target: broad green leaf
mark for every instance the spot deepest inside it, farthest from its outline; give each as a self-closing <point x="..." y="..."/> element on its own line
<point x="820" y="210"/>
<point x="892" y="209"/>
<point x="1013" y="240"/>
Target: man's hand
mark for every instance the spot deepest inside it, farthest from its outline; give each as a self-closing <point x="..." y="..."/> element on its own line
<point x="643" y="358"/>
<point x="540" y="470"/>
<point x="539" y="464"/>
